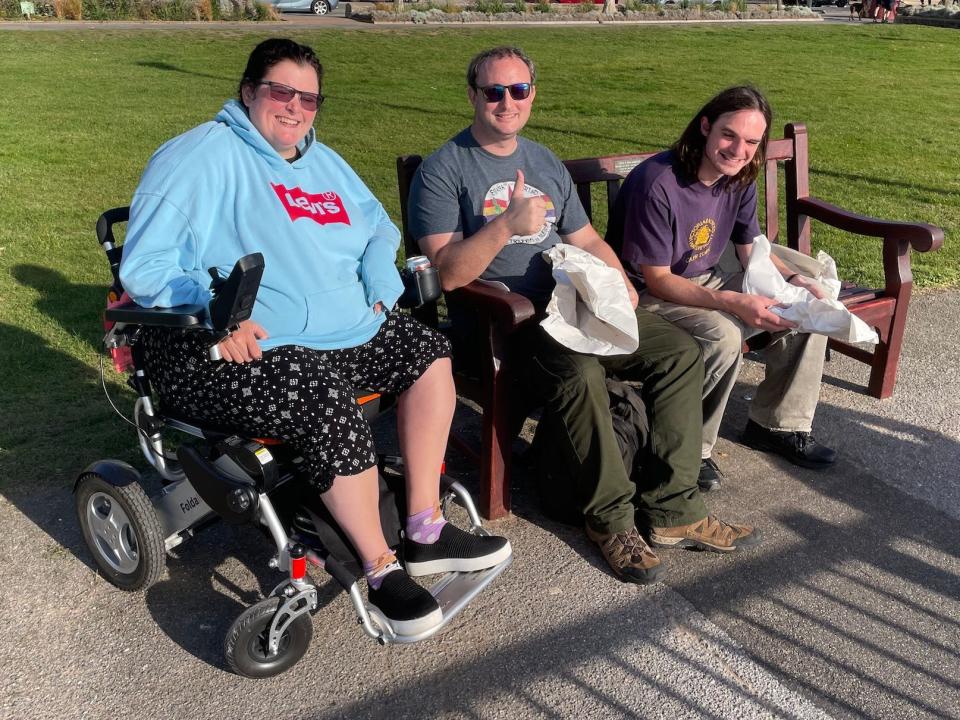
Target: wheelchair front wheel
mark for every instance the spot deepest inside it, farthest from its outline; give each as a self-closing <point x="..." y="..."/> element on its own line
<point x="246" y="643"/>
<point x="122" y="531"/>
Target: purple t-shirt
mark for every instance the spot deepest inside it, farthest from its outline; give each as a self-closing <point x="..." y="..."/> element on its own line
<point x="667" y="220"/>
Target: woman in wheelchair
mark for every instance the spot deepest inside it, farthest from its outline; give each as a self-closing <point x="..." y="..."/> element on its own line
<point x="257" y="179"/>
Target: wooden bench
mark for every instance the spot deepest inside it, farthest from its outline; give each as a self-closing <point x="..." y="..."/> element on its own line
<point x="502" y="313"/>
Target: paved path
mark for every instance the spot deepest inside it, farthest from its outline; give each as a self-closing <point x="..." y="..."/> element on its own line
<point x="851" y="607"/>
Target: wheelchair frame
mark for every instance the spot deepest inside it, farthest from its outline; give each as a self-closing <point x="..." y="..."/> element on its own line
<point x="230" y="477"/>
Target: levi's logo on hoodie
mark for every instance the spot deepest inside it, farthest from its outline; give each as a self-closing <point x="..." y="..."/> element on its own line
<point x="323" y="208"/>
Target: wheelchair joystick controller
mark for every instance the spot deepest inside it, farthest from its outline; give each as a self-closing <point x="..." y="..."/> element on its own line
<point x="233" y="298"/>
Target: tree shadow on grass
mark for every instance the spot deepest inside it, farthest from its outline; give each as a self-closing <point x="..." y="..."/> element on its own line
<point x="883" y="182"/>
<point x="167" y="67"/>
<point x="54" y="420"/>
<point x="76" y="307"/>
<point x="49" y="433"/>
<point x="630" y="144"/>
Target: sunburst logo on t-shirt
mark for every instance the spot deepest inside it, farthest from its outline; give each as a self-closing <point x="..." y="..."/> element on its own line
<point x="702" y="233"/>
<point x="497" y="199"/>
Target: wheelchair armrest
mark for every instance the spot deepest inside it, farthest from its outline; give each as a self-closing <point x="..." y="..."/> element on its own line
<point x="232" y="303"/>
<point x="181" y="316"/>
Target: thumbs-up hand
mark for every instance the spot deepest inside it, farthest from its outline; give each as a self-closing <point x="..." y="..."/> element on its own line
<point x="518" y="186"/>
<point x="524" y="215"/>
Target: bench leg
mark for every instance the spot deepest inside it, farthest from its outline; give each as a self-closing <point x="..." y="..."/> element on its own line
<point x="886" y="356"/>
<point x="494" y="454"/>
<point x="494" y="473"/>
<point x="883" y="369"/>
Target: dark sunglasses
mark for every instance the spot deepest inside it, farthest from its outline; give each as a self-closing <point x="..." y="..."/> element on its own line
<point x="495" y="93"/>
<point x="284" y="93"/>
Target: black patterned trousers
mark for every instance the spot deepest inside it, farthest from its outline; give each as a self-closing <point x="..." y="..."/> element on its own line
<point x="304" y="397"/>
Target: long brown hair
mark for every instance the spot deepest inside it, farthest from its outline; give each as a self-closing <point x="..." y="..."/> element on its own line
<point x="688" y="150"/>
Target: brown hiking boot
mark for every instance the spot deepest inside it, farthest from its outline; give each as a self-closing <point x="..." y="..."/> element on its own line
<point x="711" y="533"/>
<point x="628" y="555"/>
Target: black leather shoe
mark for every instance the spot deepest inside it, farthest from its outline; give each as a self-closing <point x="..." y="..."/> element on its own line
<point x="798" y="447"/>
<point x="710" y="475"/>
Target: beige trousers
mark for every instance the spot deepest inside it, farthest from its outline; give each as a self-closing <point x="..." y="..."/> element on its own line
<point x="787" y="397"/>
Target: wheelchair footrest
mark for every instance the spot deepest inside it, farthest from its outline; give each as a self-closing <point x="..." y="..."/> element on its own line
<point x="453" y="592"/>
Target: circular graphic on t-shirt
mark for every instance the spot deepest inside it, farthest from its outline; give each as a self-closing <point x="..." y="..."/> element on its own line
<point x="702" y="233"/>
<point x="497" y="200"/>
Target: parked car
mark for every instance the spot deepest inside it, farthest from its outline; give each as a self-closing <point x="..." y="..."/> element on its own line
<point x="317" y="7"/>
<point x="815" y="3"/>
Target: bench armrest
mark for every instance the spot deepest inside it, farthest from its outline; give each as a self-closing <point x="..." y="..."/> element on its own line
<point x="921" y="236"/>
<point x="509" y="310"/>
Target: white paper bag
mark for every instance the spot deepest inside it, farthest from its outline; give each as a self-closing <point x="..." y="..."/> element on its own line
<point x="589" y="310"/>
<point x="826" y="316"/>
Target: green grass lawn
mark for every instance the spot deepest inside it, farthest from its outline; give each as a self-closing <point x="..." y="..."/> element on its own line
<point x="83" y="111"/>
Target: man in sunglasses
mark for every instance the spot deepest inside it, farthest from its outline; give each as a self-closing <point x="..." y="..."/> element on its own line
<point x="486" y="205"/>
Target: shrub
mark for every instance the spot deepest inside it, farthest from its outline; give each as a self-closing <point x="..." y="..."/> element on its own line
<point x="543" y="6"/>
<point x="490" y="7"/>
<point x="451" y="8"/>
<point x="68" y="9"/>
<point x="44" y="8"/>
<point x="586" y="6"/>
<point x="520" y="6"/>
<point x="263" y="11"/>
<point x="203" y="9"/>
<point x="101" y="10"/>
<point x="172" y="10"/>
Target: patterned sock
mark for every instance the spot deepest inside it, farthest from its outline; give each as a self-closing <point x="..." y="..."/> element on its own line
<point x="425" y="526"/>
<point x="378" y="569"/>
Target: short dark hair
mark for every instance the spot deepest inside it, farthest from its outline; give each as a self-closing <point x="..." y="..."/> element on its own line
<point x="688" y="150"/>
<point x="273" y="51"/>
<point x="497" y="53"/>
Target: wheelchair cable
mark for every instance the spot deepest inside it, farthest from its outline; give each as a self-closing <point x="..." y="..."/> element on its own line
<point x="140" y="430"/>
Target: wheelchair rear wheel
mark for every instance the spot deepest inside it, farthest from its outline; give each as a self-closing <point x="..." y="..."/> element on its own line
<point x="246" y="643"/>
<point x="122" y="531"/>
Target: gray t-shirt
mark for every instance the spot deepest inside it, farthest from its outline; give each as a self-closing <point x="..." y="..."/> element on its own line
<point x="461" y="187"/>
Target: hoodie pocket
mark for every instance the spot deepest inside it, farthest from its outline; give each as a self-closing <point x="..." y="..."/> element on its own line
<point x="337" y="311"/>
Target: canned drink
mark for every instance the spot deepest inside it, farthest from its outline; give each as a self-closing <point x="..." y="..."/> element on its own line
<point x="418" y="263"/>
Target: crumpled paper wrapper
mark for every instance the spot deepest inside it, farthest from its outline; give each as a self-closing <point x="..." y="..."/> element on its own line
<point x="589" y="311"/>
<point x="826" y="316"/>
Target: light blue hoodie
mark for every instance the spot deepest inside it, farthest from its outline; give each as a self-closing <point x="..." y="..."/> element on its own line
<point x="220" y="191"/>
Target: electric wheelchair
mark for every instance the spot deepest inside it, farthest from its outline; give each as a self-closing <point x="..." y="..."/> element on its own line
<point x="215" y="474"/>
